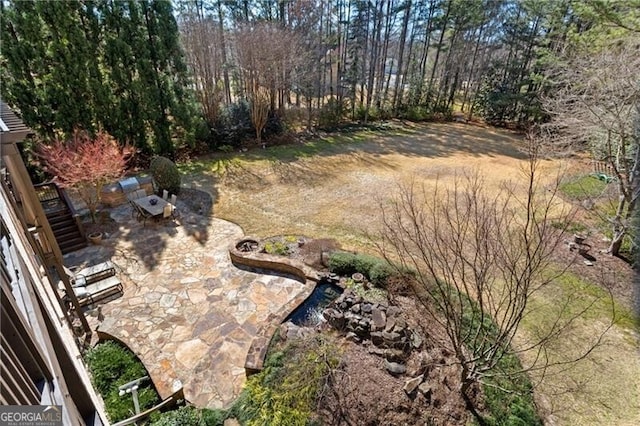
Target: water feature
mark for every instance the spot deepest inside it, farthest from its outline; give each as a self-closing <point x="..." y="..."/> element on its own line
<point x="309" y="312"/>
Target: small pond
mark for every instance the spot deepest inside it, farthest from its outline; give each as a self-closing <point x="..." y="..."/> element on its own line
<point x="308" y="313"/>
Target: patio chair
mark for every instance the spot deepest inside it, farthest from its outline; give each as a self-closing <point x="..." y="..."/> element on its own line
<point x="143" y="215"/>
<point x="140" y="193"/>
<point x="174" y="198"/>
<point x="167" y="211"/>
<point x="132" y="196"/>
<point x="165" y="194"/>
<point x="91" y="274"/>
<point x="99" y="290"/>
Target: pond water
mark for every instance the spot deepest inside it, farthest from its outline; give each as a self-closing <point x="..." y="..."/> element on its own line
<point x="308" y="313"/>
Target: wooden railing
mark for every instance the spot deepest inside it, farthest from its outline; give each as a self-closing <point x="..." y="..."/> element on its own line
<point x="48" y="192"/>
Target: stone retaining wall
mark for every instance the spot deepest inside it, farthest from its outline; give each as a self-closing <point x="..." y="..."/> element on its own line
<point x="113" y="196"/>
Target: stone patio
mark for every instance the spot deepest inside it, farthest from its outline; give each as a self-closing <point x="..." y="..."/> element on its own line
<point x="187" y="312"/>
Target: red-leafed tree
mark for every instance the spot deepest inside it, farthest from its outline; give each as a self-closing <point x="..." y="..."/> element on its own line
<point x="86" y="163"/>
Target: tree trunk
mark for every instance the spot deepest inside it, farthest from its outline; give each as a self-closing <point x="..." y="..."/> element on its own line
<point x="223" y="49"/>
<point x="439" y="49"/>
<point x="403" y="39"/>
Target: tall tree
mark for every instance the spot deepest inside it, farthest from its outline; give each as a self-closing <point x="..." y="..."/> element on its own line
<point x="112" y="65"/>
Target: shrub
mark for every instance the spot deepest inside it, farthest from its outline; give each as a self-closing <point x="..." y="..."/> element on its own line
<point x="111" y="366"/>
<point x="165" y="175"/>
<point x="189" y="416"/>
<point x="380" y="273"/>
<point x="342" y="263"/>
<point x="375" y="269"/>
<point x="361" y="112"/>
<point x="414" y="113"/>
<point x="331" y="115"/>
<point x="234" y="127"/>
<point x="286" y="391"/>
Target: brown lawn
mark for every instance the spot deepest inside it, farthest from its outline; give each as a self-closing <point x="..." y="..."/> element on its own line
<point x="333" y="188"/>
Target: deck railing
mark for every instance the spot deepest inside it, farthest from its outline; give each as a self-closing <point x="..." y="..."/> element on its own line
<point x="51" y="195"/>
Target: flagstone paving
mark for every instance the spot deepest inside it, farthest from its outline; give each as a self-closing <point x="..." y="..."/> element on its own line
<point x="187" y="312"/>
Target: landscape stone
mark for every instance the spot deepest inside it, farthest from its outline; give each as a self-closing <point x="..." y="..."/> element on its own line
<point x="416" y="340"/>
<point x="391" y="338"/>
<point x="377" y="339"/>
<point x="425" y="389"/>
<point x="391" y="322"/>
<point x="412" y="384"/>
<point x="395" y="368"/>
<point x="378" y="319"/>
<point x="352" y="337"/>
<point x="393" y="311"/>
<point x="376" y="351"/>
<point x="394" y="355"/>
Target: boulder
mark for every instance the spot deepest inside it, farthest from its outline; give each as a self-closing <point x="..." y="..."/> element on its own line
<point x="378" y="319"/>
<point x="374" y="350"/>
<point x="416" y="340"/>
<point x="395" y="368"/>
<point x="352" y="337"/>
<point x="366" y="308"/>
<point x="394" y="355"/>
<point x="335" y="318"/>
<point x="377" y="339"/>
<point x="393" y="311"/>
<point x="400" y="325"/>
<point x="411" y="385"/>
<point x="391" y="322"/>
<point x="391" y="338"/>
<point x="425" y="389"/>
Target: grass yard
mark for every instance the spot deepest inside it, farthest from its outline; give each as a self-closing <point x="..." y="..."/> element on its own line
<point x="332" y="187"/>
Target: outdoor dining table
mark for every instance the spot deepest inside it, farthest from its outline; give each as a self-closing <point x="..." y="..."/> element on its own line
<point x="155" y="208"/>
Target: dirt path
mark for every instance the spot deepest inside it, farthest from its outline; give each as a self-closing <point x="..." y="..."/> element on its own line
<point x="334" y="191"/>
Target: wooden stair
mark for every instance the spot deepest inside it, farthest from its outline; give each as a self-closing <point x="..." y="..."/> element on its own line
<point x="61" y="217"/>
<point x="66" y="231"/>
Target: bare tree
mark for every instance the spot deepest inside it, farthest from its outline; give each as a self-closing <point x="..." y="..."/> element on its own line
<point x="204" y="50"/>
<point x="267" y="54"/>
<point x="476" y="260"/>
<point x="259" y="110"/>
<point x="595" y="100"/>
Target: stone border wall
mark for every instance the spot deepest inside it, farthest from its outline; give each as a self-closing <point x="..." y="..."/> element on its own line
<point x="112" y="194"/>
<point x="255" y="259"/>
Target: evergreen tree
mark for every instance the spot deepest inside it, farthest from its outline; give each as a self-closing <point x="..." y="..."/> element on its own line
<point x="108" y="64"/>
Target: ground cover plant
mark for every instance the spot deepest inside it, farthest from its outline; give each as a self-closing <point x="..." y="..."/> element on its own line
<point x="326" y="189"/>
<point x="287" y="391"/>
<point x="112" y="365"/>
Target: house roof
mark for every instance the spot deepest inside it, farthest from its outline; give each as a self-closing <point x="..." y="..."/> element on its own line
<point x="12" y="128"/>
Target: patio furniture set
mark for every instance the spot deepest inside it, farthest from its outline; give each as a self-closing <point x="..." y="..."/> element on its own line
<point x="94" y="283"/>
<point x="145" y="206"/>
<point x="151" y="206"/>
<point x="99" y="282"/>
